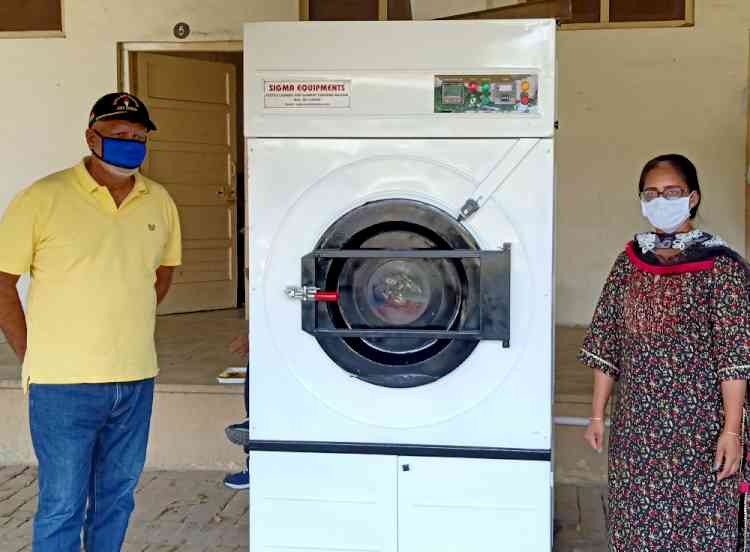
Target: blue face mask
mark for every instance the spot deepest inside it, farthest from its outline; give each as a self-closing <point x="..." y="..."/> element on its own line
<point x="126" y="154"/>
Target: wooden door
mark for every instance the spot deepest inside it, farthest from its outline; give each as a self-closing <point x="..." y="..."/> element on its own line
<point x="193" y="154"/>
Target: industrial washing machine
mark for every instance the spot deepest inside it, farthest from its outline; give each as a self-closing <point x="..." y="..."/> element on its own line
<point x="401" y="206"/>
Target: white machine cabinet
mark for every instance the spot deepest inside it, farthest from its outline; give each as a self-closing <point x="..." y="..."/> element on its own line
<point x="401" y="223"/>
<point x="389" y="503"/>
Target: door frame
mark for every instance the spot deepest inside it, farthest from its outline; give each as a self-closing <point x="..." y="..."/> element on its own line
<point x="124" y="78"/>
<point x="125" y="49"/>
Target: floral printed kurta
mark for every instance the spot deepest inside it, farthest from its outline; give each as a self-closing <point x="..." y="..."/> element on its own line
<point x="670" y="340"/>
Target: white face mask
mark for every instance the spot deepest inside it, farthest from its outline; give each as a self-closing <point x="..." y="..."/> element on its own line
<point x="667" y="214"/>
<point x="118" y="171"/>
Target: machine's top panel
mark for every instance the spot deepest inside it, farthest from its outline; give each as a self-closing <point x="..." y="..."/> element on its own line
<point x="436" y="79"/>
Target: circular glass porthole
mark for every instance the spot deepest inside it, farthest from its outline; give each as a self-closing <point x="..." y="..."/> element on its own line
<point x="401" y="295"/>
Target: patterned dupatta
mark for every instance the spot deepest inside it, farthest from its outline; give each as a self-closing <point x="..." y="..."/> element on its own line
<point x="698" y="252"/>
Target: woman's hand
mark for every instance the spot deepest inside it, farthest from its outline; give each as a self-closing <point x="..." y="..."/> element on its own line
<point x="595" y="435"/>
<point x="240" y="345"/>
<point x="728" y="455"/>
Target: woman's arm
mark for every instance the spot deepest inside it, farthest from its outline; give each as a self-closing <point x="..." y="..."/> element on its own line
<point x="603" y="386"/>
<point x="733" y="395"/>
<point x="730" y="313"/>
<point x="602" y="346"/>
<point x="729" y="447"/>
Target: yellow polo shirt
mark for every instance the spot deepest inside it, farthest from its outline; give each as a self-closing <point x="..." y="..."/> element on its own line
<point x="92" y="303"/>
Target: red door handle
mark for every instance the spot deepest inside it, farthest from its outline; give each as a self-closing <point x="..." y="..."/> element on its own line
<point x="328" y="296"/>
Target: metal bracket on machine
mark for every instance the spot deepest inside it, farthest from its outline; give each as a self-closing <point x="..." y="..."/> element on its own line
<point x="494" y="289"/>
<point x="497" y="176"/>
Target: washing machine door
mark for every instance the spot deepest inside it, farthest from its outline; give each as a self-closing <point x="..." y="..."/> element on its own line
<point x="398" y="293"/>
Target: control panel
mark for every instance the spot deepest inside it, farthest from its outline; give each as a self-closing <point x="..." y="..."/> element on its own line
<point x="506" y="93"/>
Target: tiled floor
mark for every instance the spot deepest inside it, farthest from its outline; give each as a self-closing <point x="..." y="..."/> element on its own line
<point x="175" y="512"/>
<point x="193" y="512"/>
<point x="580" y="513"/>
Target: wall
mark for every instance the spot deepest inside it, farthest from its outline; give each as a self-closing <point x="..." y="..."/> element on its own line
<point x="502" y="3"/>
<point x="432" y="9"/>
<point x="626" y="96"/>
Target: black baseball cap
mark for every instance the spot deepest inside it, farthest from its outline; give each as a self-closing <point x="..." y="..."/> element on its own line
<point x="123" y="106"/>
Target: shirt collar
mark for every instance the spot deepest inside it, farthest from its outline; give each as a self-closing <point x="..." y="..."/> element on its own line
<point x="140" y="185"/>
<point x="90" y="185"/>
<point x="84" y="178"/>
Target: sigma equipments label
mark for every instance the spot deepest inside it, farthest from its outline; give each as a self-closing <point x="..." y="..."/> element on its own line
<point x="307" y="94"/>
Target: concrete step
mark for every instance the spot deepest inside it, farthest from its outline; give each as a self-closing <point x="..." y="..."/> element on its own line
<point x="187" y="429"/>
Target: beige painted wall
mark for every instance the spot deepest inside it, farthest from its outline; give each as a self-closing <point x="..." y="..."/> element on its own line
<point x="502" y="3"/>
<point x="626" y="96"/>
<point x="432" y="9"/>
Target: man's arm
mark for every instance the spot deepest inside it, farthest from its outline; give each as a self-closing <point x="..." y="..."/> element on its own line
<point x="12" y="319"/>
<point x="163" y="282"/>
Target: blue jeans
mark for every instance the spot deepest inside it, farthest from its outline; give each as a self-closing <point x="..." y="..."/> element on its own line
<point x="90" y="440"/>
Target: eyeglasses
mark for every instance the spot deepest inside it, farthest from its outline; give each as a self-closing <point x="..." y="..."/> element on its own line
<point x="142" y="138"/>
<point x="137" y="138"/>
<point x="670" y="193"/>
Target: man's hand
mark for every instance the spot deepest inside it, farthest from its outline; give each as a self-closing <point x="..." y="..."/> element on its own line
<point x="12" y="319"/>
<point x="163" y="282"/>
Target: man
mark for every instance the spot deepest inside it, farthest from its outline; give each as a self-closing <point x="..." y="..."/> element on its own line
<point x="100" y="241"/>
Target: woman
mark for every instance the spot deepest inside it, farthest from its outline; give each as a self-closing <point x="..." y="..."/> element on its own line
<point x="672" y="328"/>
